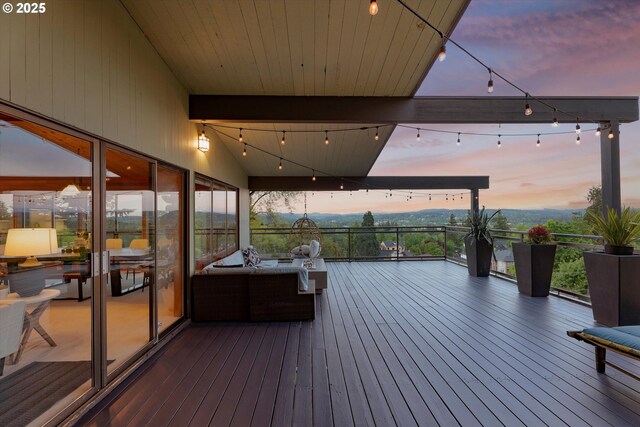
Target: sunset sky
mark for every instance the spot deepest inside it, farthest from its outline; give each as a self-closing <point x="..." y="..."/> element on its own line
<point x="548" y="47"/>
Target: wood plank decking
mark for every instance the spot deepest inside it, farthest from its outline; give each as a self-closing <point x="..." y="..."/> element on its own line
<point x="395" y="343"/>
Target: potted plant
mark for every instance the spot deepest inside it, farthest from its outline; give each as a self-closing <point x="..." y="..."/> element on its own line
<point x="534" y="261"/>
<point x="613" y="274"/>
<point x="478" y="244"/>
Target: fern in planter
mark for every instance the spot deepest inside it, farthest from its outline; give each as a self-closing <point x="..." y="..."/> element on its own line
<point x="618" y="231"/>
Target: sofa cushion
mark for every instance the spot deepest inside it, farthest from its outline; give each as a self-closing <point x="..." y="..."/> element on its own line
<point x="235" y="259"/>
<point x="314" y="249"/>
<point x="228" y="270"/>
<point x="628" y="336"/>
<point x="268" y="263"/>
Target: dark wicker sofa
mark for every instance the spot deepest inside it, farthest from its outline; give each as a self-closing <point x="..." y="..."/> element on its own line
<point x="250" y="294"/>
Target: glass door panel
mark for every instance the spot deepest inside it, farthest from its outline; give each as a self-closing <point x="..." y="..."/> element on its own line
<point x="170" y="246"/>
<point x="203" y="225"/>
<point x="219" y="222"/>
<point x="45" y="267"/>
<point x="130" y="243"/>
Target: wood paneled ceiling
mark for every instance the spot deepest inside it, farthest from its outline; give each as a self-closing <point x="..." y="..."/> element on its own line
<point x="300" y="48"/>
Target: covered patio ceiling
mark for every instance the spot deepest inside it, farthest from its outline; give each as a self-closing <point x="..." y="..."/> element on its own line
<point x="298" y="48"/>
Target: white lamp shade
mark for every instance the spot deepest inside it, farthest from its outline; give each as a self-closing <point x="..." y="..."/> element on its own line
<point x="31" y="242"/>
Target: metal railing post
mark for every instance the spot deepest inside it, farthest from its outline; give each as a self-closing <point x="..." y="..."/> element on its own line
<point x="349" y="244"/>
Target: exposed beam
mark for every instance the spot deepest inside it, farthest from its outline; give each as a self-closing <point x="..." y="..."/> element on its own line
<point x="355" y="109"/>
<point x="304" y="183"/>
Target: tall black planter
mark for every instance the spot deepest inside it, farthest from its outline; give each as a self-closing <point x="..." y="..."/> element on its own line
<point x="614" y="287"/>
<point x="534" y="266"/>
<point x="479" y="253"/>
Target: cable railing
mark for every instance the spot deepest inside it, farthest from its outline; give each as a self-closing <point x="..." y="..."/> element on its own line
<point x="386" y="243"/>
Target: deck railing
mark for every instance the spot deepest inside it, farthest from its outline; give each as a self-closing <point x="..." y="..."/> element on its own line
<point x="434" y="243"/>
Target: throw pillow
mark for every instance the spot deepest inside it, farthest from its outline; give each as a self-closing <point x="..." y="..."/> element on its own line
<point x="251" y="257"/>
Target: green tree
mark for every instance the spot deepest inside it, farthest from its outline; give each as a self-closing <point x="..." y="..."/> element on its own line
<point x="594" y="197"/>
<point x="452" y="219"/>
<point x="267" y="203"/>
<point x="500" y="222"/>
<point x="4" y="211"/>
<point x="366" y="243"/>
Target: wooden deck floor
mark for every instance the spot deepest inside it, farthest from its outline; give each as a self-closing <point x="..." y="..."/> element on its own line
<point x="409" y="343"/>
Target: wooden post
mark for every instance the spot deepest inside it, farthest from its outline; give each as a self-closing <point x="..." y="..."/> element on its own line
<point x="610" y="167"/>
<point x="475" y="200"/>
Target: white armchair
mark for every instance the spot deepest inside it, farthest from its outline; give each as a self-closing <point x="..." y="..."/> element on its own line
<point x="11" y="320"/>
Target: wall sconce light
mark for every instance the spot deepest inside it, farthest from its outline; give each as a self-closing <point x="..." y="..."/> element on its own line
<point x="203" y="141"/>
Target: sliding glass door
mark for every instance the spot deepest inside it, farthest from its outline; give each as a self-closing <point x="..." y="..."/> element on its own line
<point x="130" y="202"/>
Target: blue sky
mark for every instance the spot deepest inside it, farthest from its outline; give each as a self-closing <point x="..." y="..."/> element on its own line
<point x="568" y="47"/>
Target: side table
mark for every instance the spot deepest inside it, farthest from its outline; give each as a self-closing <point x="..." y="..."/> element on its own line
<point x="317" y="274"/>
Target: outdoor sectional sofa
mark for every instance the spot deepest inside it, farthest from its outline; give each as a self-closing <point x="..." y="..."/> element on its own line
<point x="251" y="294"/>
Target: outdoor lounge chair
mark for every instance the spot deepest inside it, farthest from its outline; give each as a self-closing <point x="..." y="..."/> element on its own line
<point x="623" y="340"/>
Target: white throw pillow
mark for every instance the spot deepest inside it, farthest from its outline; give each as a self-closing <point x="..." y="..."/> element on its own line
<point x="314" y="249"/>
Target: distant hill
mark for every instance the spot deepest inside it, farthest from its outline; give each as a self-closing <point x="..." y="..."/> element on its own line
<point x="526" y="217"/>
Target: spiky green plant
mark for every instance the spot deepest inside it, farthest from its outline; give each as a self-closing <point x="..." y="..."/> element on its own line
<point x="480" y="225"/>
<point x="616" y="230"/>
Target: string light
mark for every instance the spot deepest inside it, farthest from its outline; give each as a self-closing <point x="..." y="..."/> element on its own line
<point x="610" y="136"/>
<point x="554" y="123"/>
<point x="373" y="8"/>
<point x="429" y="196"/>
<point x="499" y="143"/>
<point x="377" y="137"/>
<point x="244" y="151"/>
<point x="538" y="142"/>
<point x="313" y="178"/>
<point x="527" y="108"/>
<point x="578" y="127"/>
<point x="418" y="135"/>
<point x="490" y="84"/>
<point x="578" y="139"/>
<point x="341" y="185"/>
<point x="443" y="51"/>
<point x="598" y="131"/>
<point x="240" y="136"/>
<point x="282" y="141"/>
<point x="326" y="137"/>
<point x="280" y="164"/>
<point x="458" y="142"/>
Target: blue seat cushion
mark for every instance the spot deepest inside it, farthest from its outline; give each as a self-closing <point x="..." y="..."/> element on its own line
<point x="628" y="336"/>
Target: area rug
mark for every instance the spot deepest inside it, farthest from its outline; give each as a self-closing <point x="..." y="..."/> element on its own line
<point x="29" y="392"/>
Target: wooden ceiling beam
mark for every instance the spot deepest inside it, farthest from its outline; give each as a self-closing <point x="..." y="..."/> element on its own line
<point x="356" y="109"/>
<point x="305" y="183"/>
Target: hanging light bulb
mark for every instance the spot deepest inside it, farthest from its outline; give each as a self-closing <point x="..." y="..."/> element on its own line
<point x="458" y="142"/>
<point x="538" y="142"/>
<point x="203" y="141"/>
<point x="313" y="177"/>
<point x="341" y="185"/>
<point x="598" y="131"/>
<point x="527" y="108"/>
<point x="610" y="136"/>
<point x="240" y="136"/>
<point x="377" y="137"/>
<point x="429" y="196"/>
<point x="554" y="123"/>
<point x="244" y="151"/>
<point x="418" y="135"/>
<point x="578" y="127"/>
<point x="461" y="196"/>
<point x="282" y="141"/>
<point x="443" y="52"/>
<point x="577" y="139"/>
<point x="499" y="143"/>
<point x="326" y="137"/>
<point x="373" y="8"/>
<point x="490" y="84"/>
<point x="280" y="164"/>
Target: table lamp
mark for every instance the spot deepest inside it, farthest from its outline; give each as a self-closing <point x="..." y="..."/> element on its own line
<point x="31" y="242"/>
